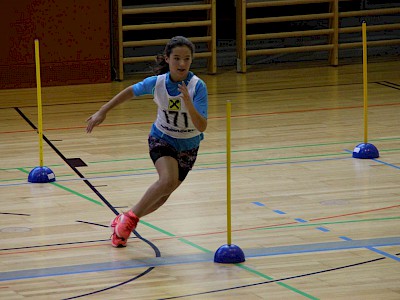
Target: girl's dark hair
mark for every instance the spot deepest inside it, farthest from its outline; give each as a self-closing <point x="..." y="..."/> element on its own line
<point x="162" y="66"/>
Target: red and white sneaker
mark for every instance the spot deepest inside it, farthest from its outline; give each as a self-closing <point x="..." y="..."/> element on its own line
<point x="122" y="227"/>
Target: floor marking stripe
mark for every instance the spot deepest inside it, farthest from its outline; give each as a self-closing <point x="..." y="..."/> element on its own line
<point x="386" y="254"/>
<point x="196" y="258"/>
<point x="323" y="229"/>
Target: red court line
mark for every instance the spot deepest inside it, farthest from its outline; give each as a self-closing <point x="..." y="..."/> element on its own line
<point x="201" y="234"/>
<point x="17" y="131"/>
<point x="355" y="213"/>
<point x="76" y="127"/>
<point x="212" y="118"/>
<point x="155" y="239"/>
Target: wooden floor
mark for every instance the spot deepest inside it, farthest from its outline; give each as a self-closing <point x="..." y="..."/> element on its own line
<point x="313" y="222"/>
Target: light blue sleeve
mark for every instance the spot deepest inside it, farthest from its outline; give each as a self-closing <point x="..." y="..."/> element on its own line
<point x="145" y="87"/>
<point x="200" y="100"/>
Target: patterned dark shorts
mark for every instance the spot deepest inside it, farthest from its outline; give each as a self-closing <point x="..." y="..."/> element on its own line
<point x="186" y="159"/>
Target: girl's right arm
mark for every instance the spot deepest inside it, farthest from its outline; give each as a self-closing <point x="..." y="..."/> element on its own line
<point x="98" y="117"/>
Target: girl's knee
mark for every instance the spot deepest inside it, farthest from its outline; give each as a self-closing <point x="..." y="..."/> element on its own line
<point x="168" y="185"/>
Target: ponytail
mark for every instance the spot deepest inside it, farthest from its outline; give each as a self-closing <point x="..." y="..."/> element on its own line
<point x="161" y="66"/>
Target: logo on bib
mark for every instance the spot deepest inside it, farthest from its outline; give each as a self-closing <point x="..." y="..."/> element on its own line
<point x="174" y="104"/>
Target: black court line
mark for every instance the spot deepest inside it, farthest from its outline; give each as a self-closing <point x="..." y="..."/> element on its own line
<point x="220" y="290"/>
<point x="14" y="214"/>
<point x="389" y="84"/>
<point x="392" y="83"/>
<point x="66" y="160"/>
<point x="105" y="201"/>
<point x="111" y="287"/>
<point x="91" y="223"/>
<point x="52" y="245"/>
<point x="277" y="280"/>
<point x="65" y="244"/>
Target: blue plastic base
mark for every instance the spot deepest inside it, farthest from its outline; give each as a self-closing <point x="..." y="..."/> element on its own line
<point x="229" y="254"/>
<point x="365" y="151"/>
<point x="41" y="175"/>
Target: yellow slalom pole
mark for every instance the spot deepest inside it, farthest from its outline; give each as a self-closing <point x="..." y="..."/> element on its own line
<point x="39" y="102"/>
<point x="228" y="171"/>
<point x="229" y="253"/>
<point x="365" y="81"/>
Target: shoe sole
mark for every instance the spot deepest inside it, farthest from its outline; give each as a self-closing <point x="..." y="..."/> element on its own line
<point x="117" y="245"/>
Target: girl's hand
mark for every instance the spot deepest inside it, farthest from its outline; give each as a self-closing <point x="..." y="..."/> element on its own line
<point x="95" y="120"/>
<point x="198" y="121"/>
<point x="184" y="91"/>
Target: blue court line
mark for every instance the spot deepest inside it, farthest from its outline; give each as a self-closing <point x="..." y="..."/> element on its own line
<point x="197" y="258"/>
<point x="197" y="169"/>
<point x="275" y="210"/>
<point x="323" y="229"/>
<point x="378" y="160"/>
<point x="214" y="168"/>
<point x="276" y="163"/>
<point x="300" y="220"/>
<point x="388" y="255"/>
<point x="387" y="164"/>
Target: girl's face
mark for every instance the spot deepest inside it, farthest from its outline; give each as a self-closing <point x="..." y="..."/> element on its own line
<point x="179" y="63"/>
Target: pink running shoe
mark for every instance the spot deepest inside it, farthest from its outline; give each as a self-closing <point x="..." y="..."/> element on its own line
<point x="122" y="227"/>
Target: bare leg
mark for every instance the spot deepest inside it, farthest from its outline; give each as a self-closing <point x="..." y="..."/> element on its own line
<point x="159" y="191"/>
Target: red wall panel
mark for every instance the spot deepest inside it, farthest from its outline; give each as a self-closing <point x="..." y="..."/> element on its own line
<point x="74" y="39"/>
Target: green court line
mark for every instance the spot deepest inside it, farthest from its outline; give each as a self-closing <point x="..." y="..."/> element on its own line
<point x="280" y="158"/>
<point x="68" y="190"/>
<point x="328" y="223"/>
<point x="237" y="162"/>
<point x="389" y="150"/>
<point x="199" y="165"/>
<point x="234" y="151"/>
<point x="23" y="179"/>
<point x="77" y="193"/>
<point x="167" y="233"/>
<point x="242" y="266"/>
<point x="279" y="283"/>
<point x="255" y="272"/>
<point x="187" y="242"/>
<point x="118" y="160"/>
<point x="121" y="171"/>
<point x="223" y="162"/>
<point x="157" y="228"/>
<point x="248" y="269"/>
<point x="277" y="227"/>
<point x="9" y="169"/>
<point x="259" y="149"/>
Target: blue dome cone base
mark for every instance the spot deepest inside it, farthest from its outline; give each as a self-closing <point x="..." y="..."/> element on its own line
<point x="41" y="175"/>
<point x="365" y="151"/>
<point x="229" y="254"/>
